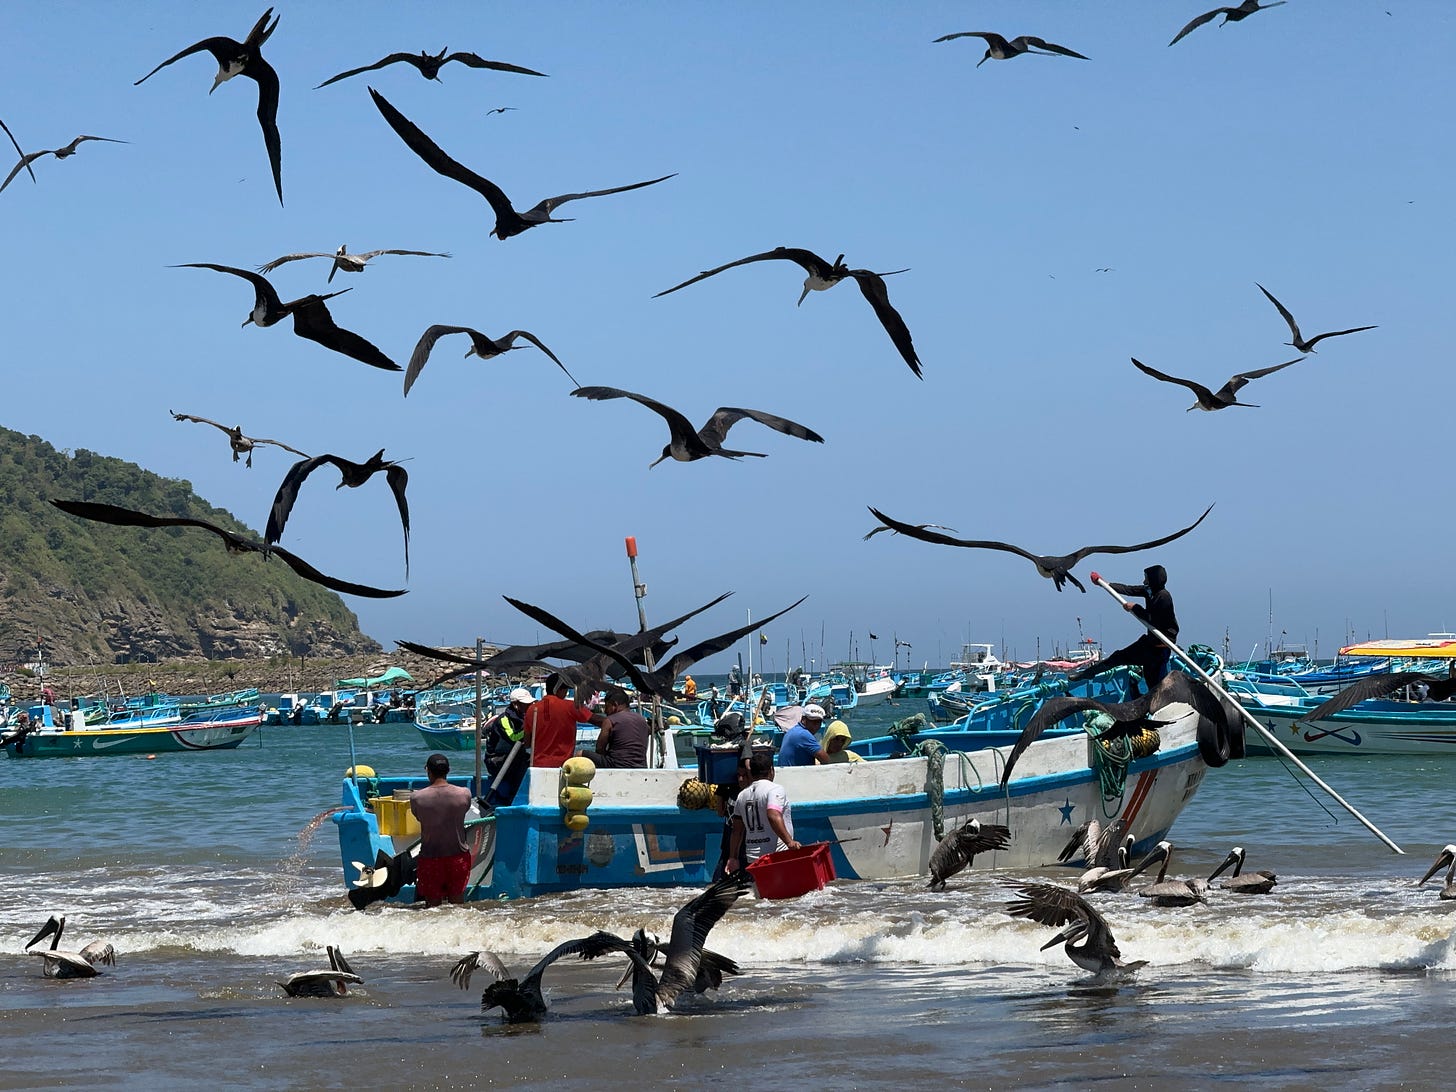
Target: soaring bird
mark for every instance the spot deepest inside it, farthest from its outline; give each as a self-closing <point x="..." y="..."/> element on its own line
<point x="27" y="158"/>
<point x="344" y="261"/>
<point x="235" y="543"/>
<point x="29" y="170"/>
<point x="311" y="319"/>
<point x="960" y="846"/>
<point x="351" y="474"/>
<point x="824" y="275"/>
<point x="333" y="982"/>
<point x="429" y="65"/>
<point x="1166" y="892"/>
<point x="480" y="345"/>
<point x="1247" y="883"/>
<point x="241" y="445"/>
<point x="521" y="999"/>
<point x="688" y="444"/>
<point x="1049" y="904"/>
<point x="1299" y="342"/>
<point x="245" y="59"/>
<point x="1055" y="568"/>
<point x="1447" y="857"/>
<point x="508" y="221"/>
<point x="659" y="681"/>
<point x="998" y="48"/>
<point x="1226" y="396"/>
<point x="921" y="526"/>
<point x="60" y="964"/>
<point x="1377" y="686"/>
<point x="1230" y="15"/>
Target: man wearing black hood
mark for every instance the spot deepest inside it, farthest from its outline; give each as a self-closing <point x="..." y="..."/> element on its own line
<point x="1147" y="652"/>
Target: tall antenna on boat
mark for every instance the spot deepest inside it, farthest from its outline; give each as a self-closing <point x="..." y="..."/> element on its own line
<point x="479" y="720"/>
<point x="639" y="590"/>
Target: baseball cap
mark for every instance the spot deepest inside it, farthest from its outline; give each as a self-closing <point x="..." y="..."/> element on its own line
<point x="522" y="695"/>
<point x="815" y="711"/>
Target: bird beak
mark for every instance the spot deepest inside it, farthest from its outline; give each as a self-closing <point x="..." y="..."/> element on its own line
<point x="248" y="321"/>
<point x="1441" y="862"/>
<point x="802" y="295"/>
<point x="1071" y="932"/>
<point x="655" y="461"/>
<point x="983" y="60"/>
<point x="1158" y="854"/>
<point x="1219" y="871"/>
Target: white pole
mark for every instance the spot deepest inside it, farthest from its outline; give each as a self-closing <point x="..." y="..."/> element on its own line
<point x="1268" y="735"/>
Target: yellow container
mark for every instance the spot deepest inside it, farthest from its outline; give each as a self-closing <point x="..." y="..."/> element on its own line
<point x="395" y="817"/>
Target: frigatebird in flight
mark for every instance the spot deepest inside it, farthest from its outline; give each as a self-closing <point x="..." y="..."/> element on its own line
<point x="351" y="474"/>
<point x="1299" y="342"/>
<point x="998" y="48"/>
<point x="1225" y="396"/>
<point x="27" y="158"/>
<point x="480" y="345"/>
<point x="1230" y="15"/>
<point x="429" y="65"/>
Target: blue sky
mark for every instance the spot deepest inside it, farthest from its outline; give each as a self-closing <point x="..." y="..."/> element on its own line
<point x="1306" y="148"/>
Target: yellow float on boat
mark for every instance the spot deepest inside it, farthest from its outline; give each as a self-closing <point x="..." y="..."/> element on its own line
<point x="576" y="774"/>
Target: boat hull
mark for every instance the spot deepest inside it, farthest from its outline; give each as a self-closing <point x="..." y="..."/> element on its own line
<point x="220" y="732"/>
<point x="1378" y="728"/>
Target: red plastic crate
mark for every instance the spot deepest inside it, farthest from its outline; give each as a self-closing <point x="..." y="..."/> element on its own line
<point x="790" y="873"/>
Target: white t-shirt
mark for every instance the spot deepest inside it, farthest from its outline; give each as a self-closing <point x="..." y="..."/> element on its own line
<point x="752" y="807"/>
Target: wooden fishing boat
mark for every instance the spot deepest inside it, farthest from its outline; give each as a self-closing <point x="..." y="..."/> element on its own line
<point x="212" y="729"/>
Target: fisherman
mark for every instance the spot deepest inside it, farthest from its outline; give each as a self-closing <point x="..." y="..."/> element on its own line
<point x="763" y="822"/>
<point x="1147" y="652"/>
<point x="444" y="861"/>
<point x="499" y="737"/>
<point x="800" y="746"/>
<point x="690" y="689"/>
<point x="735" y="681"/>
<point x="552" y="723"/>
<point x="837" y="739"/>
<point x="622" y="744"/>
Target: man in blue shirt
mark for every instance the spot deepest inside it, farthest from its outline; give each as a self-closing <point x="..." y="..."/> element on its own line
<point x="800" y="746"/>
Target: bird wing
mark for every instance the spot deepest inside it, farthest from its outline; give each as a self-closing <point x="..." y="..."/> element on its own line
<point x="990" y="836"/>
<point x="393" y="58"/>
<point x="1229" y="391"/>
<point x="417" y="253"/>
<point x="1288" y="318"/>
<point x="280" y="443"/>
<point x="70" y="148"/>
<point x="1203" y="393"/>
<point x="23" y="161"/>
<point x="262" y="73"/>
<point x="715" y="432"/>
<point x="398" y="479"/>
<point x="1042" y="43"/>
<point x="690" y="928"/>
<point x="1072" y="559"/>
<point x="461" y="972"/>
<point x="288" y="493"/>
<point x="308" y="572"/>
<point x="198" y="420"/>
<point x="425" y="346"/>
<point x="1195" y="24"/>
<point x="263" y="291"/>
<point x="1374" y="687"/>
<point x="98" y="951"/>
<point x="1049" y="904"/>
<point x="1109" y="842"/>
<point x="990" y="38"/>
<point x="556" y="625"/>
<point x="474" y="60"/>
<point x="317" y="983"/>
<point x="679" y="424"/>
<point x="807" y="259"/>
<point x="436" y="159"/>
<point x="703" y="649"/>
<point x="311" y="320"/>
<point x="872" y="287"/>
<point x="534" y="340"/>
<point x="1336" y="333"/>
<point x="599" y="943"/>
<point x="220" y="47"/>
<point x="438" y="654"/>
<point x="276" y="262"/>
<point x="922" y="532"/>
<point x="548" y="205"/>
<point x="1083" y="841"/>
<point x="1053" y="711"/>
<point x="127" y="517"/>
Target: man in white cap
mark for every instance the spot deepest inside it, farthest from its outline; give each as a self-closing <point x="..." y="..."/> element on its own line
<point x="800" y="746"/>
<point x="499" y="737"/>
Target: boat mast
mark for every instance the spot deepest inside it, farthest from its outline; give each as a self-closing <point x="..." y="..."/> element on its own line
<point x="639" y="590"/>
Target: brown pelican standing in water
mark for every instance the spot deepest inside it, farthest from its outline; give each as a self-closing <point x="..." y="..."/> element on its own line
<point x="521" y="1000"/>
<point x="1052" y="905"/>
<point x="960" y="846"/>
<point x="61" y="964"/>
<point x="333" y="982"/>
<point x="1166" y="892"/>
<point x="1447" y="858"/>
<point x="1251" y="883"/>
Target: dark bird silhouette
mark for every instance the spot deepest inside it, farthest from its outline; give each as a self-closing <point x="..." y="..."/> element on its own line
<point x="957" y="849"/>
<point x="919" y="526"/>
<point x="1131" y="717"/>
<point x="1230" y="15"/>
<point x="1378" y="686"/>
<point x="1299" y="342"/>
<point x="498" y="110"/>
<point x="1055" y="568"/>
<point x="245" y="59"/>
<point x="998" y="48"/>
<point x="508" y="221"/>
<point x="1226" y="396"/>
<point x="241" y="445"/>
<point x="1448" y="858"/>
<point x="1049" y="904"/>
<point x="25" y="163"/>
<point x="660" y="681"/>
<point x="480" y="345"/>
<point x="235" y="543"/>
<point x="824" y="275"/>
<point x="352" y="475"/>
<point x="311" y="319"/>
<point x="57" y="963"/>
<point x="27" y="158"/>
<point x="344" y="261"/>
<point x="429" y="65"/>
<point x="1246" y="883"/>
<point x="521" y="999"/>
<point x="688" y="444"/>
<point x="333" y="982"/>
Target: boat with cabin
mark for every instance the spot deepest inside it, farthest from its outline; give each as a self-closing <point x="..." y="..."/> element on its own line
<point x="157" y="730"/>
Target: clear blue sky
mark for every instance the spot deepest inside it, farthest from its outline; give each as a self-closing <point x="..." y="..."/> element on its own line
<point x="1307" y="148"/>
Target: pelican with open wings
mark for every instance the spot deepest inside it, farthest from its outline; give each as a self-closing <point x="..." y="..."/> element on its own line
<point x="1049" y="904"/>
<point x="241" y="445"/>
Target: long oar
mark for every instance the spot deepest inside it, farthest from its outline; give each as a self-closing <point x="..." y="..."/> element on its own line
<point x="1268" y="735"/>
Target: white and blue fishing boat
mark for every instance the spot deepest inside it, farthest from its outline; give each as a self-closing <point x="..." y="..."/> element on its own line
<point x="156" y="730"/>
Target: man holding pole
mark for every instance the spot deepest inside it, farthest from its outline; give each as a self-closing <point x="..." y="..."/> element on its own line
<point x="503" y="738"/>
<point x="1147" y="652"/>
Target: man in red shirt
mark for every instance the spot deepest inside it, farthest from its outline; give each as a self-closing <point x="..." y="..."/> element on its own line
<point x="551" y="724"/>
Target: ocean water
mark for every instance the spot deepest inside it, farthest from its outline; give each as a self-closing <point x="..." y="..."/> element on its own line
<point x="216" y="875"/>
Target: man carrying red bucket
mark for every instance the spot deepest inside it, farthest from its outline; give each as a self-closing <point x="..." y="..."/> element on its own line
<point x="762" y="819"/>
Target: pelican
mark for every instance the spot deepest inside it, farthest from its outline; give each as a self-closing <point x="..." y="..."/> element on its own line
<point x="245" y="59"/>
<point x="508" y="221"/>
<point x="1299" y="341"/>
<point x="60" y="964"/>
<point x="521" y="1000"/>
<point x="1254" y="883"/>
<point x="998" y="48"/>
<point x="351" y="474"/>
<point x="1055" y="568"/>
<point x="1104" y="855"/>
<point x="1447" y="858"/>
<point x="241" y="445"/>
<point x="823" y="276"/>
<point x="27" y="158"/>
<point x="1226" y="396"/>
<point x="480" y="345"/>
<point x="1166" y="892"/>
<point x="959" y="847"/>
<point x="1230" y="15"/>
<point x="688" y="444"/>
<point x="429" y="65"/>
<point x="333" y="982"/>
<point x="345" y="262"/>
<point x="1052" y="905"/>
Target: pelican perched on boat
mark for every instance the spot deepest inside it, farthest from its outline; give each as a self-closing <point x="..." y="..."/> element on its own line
<point x="960" y="846"/>
<point x="1447" y="858"/>
<point x="1166" y="892"/>
<point x="61" y="964"/>
<point x="1261" y="882"/>
<point x="1052" y="905"/>
<point x="333" y="982"/>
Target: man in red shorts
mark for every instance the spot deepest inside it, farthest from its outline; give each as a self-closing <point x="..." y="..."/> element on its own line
<point x="443" y="868"/>
<point x="551" y="724"/>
